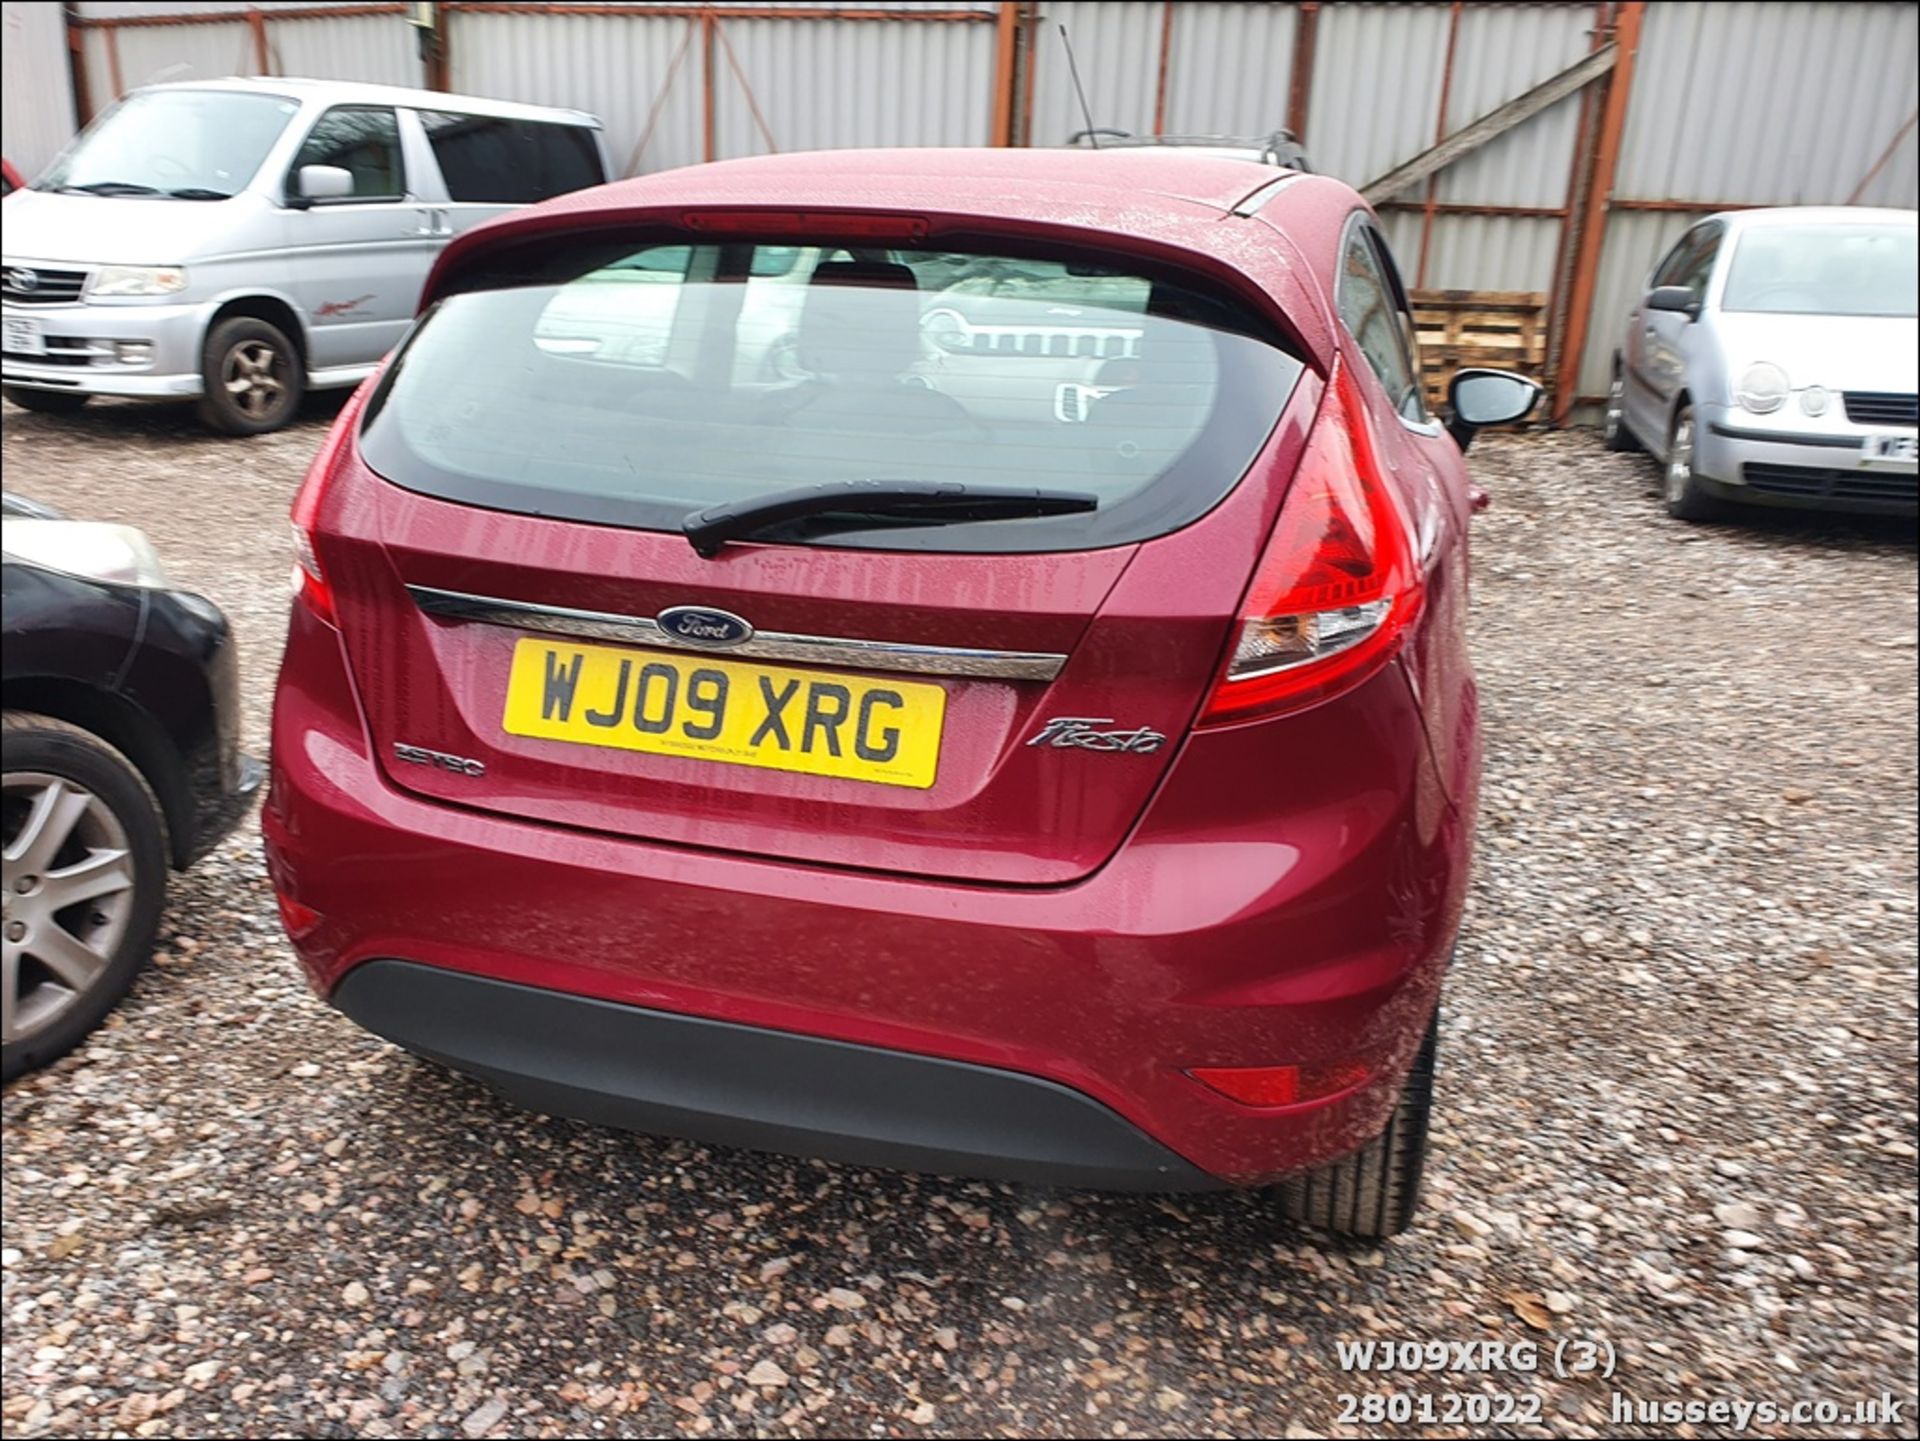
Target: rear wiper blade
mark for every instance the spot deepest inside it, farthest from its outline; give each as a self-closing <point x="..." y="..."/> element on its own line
<point x="199" y="192"/>
<point x="876" y="502"/>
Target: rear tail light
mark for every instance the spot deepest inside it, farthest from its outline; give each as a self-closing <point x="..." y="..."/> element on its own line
<point x="1281" y="1085"/>
<point x="310" y="585"/>
<point x="1338" y="585"/>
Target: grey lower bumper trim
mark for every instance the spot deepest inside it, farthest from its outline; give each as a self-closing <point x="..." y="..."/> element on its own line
<point x="768" y="1090"/>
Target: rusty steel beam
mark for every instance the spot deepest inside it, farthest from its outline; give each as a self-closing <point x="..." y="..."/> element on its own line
<point x="1495" y="123"/>
<point x="1439" y="134"/>
<point x="257" y="23"/>
<point x="719" y="12"/>
<point x="439" y="60"/>
<point x="77" y="70"/>
<point x="753" y="103"/>
<point x="113" y="64"/>
<point x="1470" y="207"/>
<point x="1593" y="231"/>
<point x="1006" y="46"/>
<point x="709" y="149"/>
<point x="1885" y="156"/>
<point x="229" y="17"/>
<point x="1678" y="206"/>
<point x="1306" y="30"/>
<point x="1579" y="173"/>
<point x="1029" y="65"/>
<point x="1166" y="55"/>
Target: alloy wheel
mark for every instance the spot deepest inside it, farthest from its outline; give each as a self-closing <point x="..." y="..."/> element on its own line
<point x="68" y="876"/>
<point x="254" y="375"/>
<point x="1616" y="404"/>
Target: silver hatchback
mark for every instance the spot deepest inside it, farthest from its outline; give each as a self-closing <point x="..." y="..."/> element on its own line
<point x="1771" y="361"/>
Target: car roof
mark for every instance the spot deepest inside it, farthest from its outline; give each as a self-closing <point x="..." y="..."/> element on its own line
<point x="1814" y="215"/>
<point x="1188" y="209"/>
<point x="357" y="92"/>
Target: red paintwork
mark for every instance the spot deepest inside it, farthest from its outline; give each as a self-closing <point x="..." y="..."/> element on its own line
<point x="1281" y="891"/>
<point x="14" y="182"/>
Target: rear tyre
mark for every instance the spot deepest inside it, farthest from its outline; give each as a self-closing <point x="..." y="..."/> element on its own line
<point x="1375" y="1191"/>
<point x="252" y="377"/>
<point x="1686" y="498"/>
<point x="1613" y="427"/>
<point x="47" y="402"/>
<point x="84" y="879"/>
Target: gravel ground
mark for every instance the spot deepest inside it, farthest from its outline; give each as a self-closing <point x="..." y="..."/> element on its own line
<point x="1677" y="1106"/>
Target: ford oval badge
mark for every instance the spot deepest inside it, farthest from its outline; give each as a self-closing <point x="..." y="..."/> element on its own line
<point x="699" y="625"/>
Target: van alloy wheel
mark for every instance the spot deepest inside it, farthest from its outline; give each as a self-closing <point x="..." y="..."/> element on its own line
<point x="69" y="891"/>
<point x="255" y="376"/>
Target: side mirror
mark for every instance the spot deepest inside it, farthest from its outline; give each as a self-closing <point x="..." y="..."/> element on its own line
<point x="1479" y="398"/>
<point x="320" y="182"/>
<point x="1677" y="298"/>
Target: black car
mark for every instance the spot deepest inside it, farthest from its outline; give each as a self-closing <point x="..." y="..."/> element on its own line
<point x="121" y="758"/>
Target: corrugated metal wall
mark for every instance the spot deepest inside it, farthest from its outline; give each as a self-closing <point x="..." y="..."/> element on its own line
<point x="1229" y="69"/>
<point x="630" y="71"/>
<point x="1773" y="103"/>
<point x="821" y="84"/>
<point x="36" y="92"/>
<point x="1760" y="101"/>
<point x="1118" y="49"/>
<point x="350" y="47"/>
<point x="379" y="48"/>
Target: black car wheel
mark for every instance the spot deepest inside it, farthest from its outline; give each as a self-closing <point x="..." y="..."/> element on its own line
<point x="83" y="864"/>
<point x="1375" y="1191"/>
<point x="47" y="402"/>
<point x="252" y="376"/>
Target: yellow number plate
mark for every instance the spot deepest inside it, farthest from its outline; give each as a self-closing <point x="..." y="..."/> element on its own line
<point x="672" y="704"/>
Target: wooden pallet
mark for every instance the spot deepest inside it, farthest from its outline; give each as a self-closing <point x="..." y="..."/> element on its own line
<point x="1504" y="329"/>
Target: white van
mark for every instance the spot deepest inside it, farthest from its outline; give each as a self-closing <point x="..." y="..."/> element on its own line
<point x="239" y="241"/>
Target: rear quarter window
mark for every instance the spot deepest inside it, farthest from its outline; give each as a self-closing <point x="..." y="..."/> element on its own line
<point x="636" y="384"/>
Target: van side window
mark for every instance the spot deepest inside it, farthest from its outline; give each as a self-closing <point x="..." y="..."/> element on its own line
<point x="364" y="141"/>
<point x="492" y="161"/>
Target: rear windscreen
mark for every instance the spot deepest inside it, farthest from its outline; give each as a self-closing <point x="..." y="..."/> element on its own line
<point x="636" y="384"/>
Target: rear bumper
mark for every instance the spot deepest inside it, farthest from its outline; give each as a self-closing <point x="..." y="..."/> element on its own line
<point x="745" y="1086"/>
<point x="1264" y="912"/>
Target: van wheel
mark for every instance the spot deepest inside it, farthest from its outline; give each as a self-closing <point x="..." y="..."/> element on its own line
<point x="1375" y="1191"/>
<point x="47" y="402"/>
<point x="85" y="876"/>
<point x="252" y="376"/>
<point x="1686" y="498"/>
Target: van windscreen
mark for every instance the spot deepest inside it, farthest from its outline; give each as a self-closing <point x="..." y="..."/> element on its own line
<point x="636" y="384"/>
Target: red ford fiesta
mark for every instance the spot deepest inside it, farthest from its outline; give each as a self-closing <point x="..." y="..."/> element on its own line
<point x="947" y="659"/>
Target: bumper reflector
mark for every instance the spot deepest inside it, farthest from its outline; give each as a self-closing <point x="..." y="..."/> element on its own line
<point x="1280" y="1085"/>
